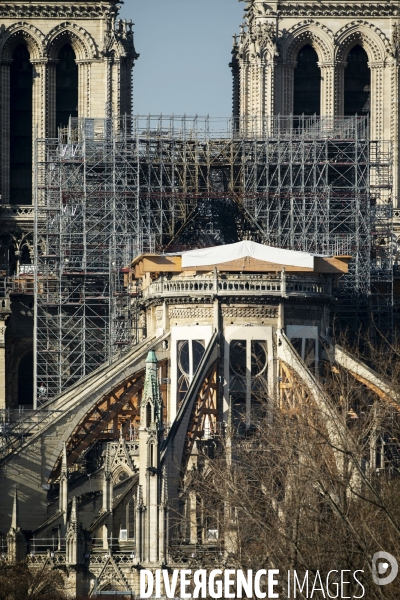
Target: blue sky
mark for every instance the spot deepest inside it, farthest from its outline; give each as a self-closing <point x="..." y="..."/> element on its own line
<point x="185" y="48"/>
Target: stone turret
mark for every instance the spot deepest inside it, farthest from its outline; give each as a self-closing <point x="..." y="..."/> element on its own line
<point x="150" y="480"/>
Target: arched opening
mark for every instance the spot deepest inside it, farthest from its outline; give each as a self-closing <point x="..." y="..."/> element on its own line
<point x="25" y="380"/>
<point x="357" y="83"/>
<point x="307" y="83"/>
<point x="66" y="86"/>
<point x="21" y="80"/>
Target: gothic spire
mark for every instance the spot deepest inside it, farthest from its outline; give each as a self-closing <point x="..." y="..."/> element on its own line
<point x="151" y="391"/>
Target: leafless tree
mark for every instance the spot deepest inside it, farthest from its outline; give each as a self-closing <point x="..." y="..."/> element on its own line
<point x="312" y="487"/>
<point x="19" y="582"/>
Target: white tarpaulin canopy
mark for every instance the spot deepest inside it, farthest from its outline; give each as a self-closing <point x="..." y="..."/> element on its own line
<point x="229" y="252"/>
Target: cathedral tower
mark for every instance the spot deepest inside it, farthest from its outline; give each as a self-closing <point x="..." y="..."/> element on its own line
<point x="57" y="59"/>
<point x="331" y="59"/>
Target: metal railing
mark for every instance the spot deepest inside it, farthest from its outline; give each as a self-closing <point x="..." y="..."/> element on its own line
<point x="176" y="127"/>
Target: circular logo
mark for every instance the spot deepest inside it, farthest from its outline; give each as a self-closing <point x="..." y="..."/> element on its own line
<point x="379" y="569"/>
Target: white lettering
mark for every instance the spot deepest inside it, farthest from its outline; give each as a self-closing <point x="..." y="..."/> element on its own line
<point x="150" y="582"/>
<point x="200" y="580"/>
<point x="228" y="583"/>
<point x="215" y="591"/>
<point x="184" y="583"/>
<point x="257" y="578"/>
<point x="359" y="583"/>
<point x="296" y="581"/>
<point x="243" y="584"/>
<point x="343" y="582"/>
<point x="170" y="589"/>
<point x="272" y="583"/>
<point x="332" y="585"/>
<point x="319" y="589"/>
<point x="158" y="584"/>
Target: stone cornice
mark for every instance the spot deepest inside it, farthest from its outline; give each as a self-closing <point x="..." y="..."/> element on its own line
<point x="56" y="10"/>
<point x="326" y="9"/>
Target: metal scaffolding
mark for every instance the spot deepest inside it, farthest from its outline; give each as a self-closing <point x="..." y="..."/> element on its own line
<point x="110" y="189"/>
<point x="85" y="233"/>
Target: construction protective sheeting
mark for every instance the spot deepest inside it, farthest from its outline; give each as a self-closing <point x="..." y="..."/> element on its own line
<point x="229" y="252"/>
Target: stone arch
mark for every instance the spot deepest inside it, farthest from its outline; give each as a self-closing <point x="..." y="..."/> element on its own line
<point x="378" y="49"/>
<point x="82" y="43"/>
<point x="307" y="32"/>
<point x="22" y="32"/>
<point x="320" y="38"/>
<point x="367" y="35"/>
<point x="118" y="471"/>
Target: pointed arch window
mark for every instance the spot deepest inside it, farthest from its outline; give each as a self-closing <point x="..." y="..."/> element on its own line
<point x="66" y="86"/>
<point x="21" y="137"/>
<point x="357" y="83"/>
<point x="307" y="83"/>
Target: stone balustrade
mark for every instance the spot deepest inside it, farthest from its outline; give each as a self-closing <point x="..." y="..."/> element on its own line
<point x="243" y="285"/>
<point x="14" y="212"/>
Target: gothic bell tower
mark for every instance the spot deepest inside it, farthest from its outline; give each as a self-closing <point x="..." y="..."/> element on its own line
<point x="58" y="59"/>
<point x="330" y="59"/>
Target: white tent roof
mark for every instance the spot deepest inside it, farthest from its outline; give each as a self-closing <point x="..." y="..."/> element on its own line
<point x="229" y="252"/>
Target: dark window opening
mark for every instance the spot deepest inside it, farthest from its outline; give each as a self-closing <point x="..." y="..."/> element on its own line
<point x="25" y="380"/>
<point x="67" y="86"/>
<point x="130" y="518"/>
<point x="21" y="79"/>
<point x="357" y="83"/>
<point x="307" y="83"/>
<point x="148" y="415"/>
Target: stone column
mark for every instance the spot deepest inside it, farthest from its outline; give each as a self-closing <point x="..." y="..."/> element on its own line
<point x="270" y="89"/>
<point x="327" y="89"/>
<point x="5" y="129"/>
<point x="40" y="98"/>
<point x="244" y="110"/>
<point x="378" y="120"/>
<point x="51" y="98"/>
<point x="109" y="86"/>
<point x="39" y="108"/>
<point x="394" y="116"/>
<point x="287" y="88"/>
<point x="5" y="312"/>
<point x="84" y="73"/>
<point x="339" y="89"/>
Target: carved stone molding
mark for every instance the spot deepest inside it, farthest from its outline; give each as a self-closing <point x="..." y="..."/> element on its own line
<point x="199" y="312"/>
<point x="374" y="41"/>
<point x="87" y="10"/>
<point x="308" y="31"/>
<point x="84" y="45"/>
<point x="251" y="312"/>
<point x="319" y="9"/>
<point x="22" y="30"/>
